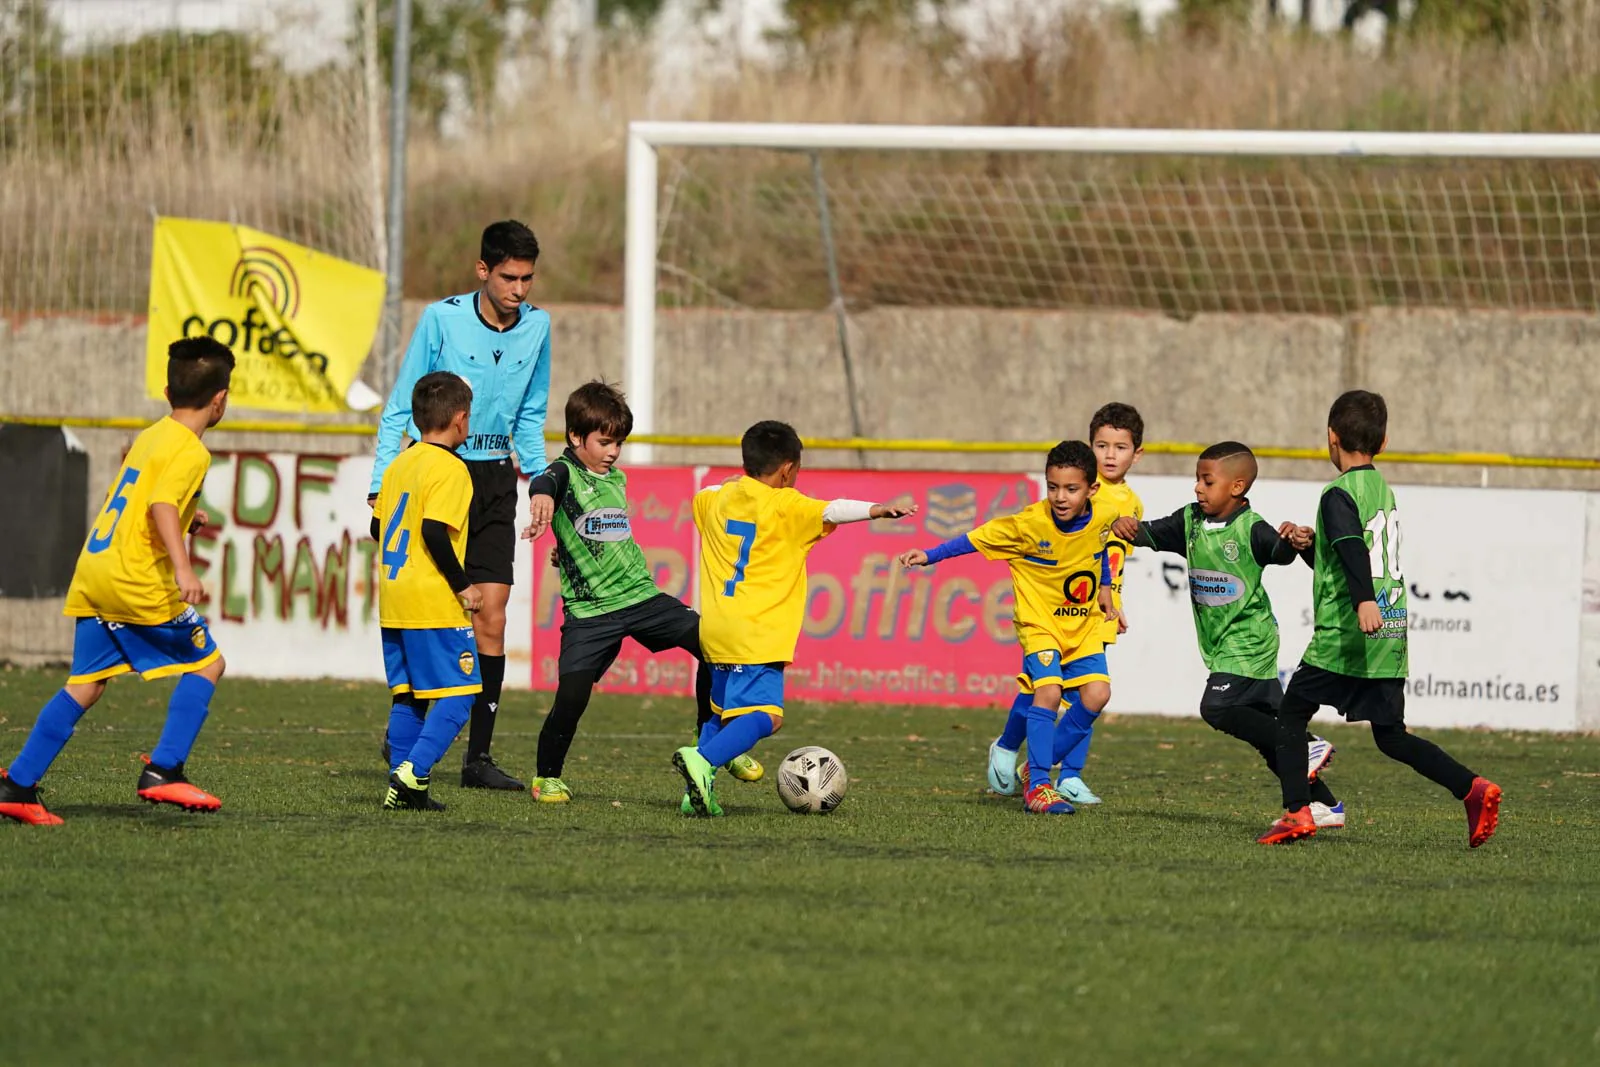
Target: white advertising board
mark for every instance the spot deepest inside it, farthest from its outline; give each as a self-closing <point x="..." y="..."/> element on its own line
<point x="289" y="566"/>
<point x="1495" y="578"/>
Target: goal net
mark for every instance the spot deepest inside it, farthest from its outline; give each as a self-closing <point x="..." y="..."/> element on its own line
<point x="1176" y="222"/>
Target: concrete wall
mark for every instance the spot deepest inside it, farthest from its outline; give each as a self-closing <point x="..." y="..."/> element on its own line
<point x="1480" y="381"/>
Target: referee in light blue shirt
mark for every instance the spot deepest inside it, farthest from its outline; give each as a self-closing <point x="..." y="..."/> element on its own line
<point x="501" y="346"/>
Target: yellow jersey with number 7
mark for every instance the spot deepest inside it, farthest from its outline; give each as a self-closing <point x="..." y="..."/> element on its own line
<point x="754" y="541"/>
<point x="426" y="481"/>
<point x="124" y="573"/>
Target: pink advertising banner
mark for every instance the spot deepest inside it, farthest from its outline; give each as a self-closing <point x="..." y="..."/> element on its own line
<point x="939" y="636"/>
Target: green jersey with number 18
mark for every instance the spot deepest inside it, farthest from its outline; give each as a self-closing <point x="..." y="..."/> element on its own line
<point x="1338" y="644"/>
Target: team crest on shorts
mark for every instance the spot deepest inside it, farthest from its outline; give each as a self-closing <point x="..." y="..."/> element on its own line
<point x="1046" y="657"/>
<point x="197" y="637"/>
<point x="465" y="662"/>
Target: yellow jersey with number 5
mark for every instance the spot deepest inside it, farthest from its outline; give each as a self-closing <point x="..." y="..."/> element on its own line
<point x="124" y="573"/>
<point x="754" y="541"/>
<point x="1115" y="500"/>
<point x="426" y="481"/>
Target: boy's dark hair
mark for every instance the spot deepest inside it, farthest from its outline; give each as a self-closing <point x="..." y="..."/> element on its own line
<point x="436" y="399"/>
<point x="1361" y="419"/>
<point x="507" y="240"/>
<point x="1237" y="456"/>
<point x="768" y="445"/>
<point x="598" y="407"/>
<point x="198" y="368"/>
<point x="1225" y="449"/>
<point x="1119" y="417"/>
<point x="1074" y="454"/>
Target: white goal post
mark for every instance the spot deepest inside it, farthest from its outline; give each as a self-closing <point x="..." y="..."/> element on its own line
<point x="646" y="139"/>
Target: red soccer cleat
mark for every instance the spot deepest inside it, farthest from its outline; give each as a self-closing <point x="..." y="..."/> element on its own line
<point x="1483" y="811"/>
<point x="1291" y="827"/>
<point x="21" y="804"/>
<point x="167" y="785"/>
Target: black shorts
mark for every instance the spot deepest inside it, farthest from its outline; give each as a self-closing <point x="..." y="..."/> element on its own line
<point x="660" y="623"/>
<point x="492" y="522"/>
<point x="1375" y="700"/>
<point x="1235" y="691"/>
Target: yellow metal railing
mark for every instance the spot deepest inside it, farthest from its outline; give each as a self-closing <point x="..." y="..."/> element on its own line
<point x="1163" y="448"/>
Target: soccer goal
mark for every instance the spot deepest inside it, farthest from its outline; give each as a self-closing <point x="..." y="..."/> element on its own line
<point x="738" y="217"/>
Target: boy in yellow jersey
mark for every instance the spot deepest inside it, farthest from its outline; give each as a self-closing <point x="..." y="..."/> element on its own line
<point x="1060" y="581"/>
<point x="755" y="534"/>
<point x="425" y="602"/>
<point x="1116" y="433"/>
<point x="131" y="592"/>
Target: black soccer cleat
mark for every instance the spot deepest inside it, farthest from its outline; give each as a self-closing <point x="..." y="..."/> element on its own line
<point x="482" y="772"/>
<point x="407" y="792"/>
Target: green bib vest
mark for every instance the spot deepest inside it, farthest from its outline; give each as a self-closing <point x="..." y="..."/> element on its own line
<point x="1338" y="644"/>
<point x="1232" y="614"/>
<point x="602" y="567"/>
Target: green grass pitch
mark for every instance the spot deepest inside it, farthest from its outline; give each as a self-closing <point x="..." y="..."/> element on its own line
<point x="920" y="923"/>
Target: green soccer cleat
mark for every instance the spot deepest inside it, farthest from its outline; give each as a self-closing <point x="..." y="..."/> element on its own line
<point x="686" y="806"/>
<point x="697" y="777"/>
<point x="746" y="768"/>
<point x="551" y="791"/>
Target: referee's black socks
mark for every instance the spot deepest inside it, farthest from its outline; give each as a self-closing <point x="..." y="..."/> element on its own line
<point x="481" y="733"/>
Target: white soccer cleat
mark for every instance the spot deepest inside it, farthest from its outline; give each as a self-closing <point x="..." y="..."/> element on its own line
<point x="1319" y="753"/>
<point x="1002" y="770"/>
<point x="1328" y="818"/>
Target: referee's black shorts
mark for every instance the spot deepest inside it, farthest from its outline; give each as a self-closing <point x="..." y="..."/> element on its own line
<point x="492" y="522"/>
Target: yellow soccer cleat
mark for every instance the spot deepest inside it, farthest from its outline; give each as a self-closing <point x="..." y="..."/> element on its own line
<point x="551" y="791"/>
<point x="746" y="768"/>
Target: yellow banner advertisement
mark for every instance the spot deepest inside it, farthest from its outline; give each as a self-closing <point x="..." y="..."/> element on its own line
<point x="300" y="323"/>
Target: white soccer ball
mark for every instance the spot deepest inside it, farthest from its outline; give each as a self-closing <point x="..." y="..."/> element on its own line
<point x="811" y="780"/>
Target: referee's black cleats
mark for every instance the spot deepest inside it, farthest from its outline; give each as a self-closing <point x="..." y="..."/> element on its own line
<point x="481" y="772"/>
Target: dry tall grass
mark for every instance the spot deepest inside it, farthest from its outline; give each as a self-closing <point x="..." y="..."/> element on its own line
<point x="557" y="161"/>
<point x="74" y="232"/>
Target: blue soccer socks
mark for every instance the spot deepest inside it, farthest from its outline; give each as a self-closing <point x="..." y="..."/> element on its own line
<point x="51" y="732"/>
<point x="186" y="713"/>
<point x="736" y="737"/>
<point x="445" y="720"/>
<point x="405" y="726"/>
<point x="1016" y="730"/>
<point x="1041" y="739"/>
<point x="1071" y="747"/>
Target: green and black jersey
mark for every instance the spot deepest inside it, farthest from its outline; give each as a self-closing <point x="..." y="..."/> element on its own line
<point x="602" y="567"/>
<point x="1232" y="613"/>
<point x="1356" y="558"/>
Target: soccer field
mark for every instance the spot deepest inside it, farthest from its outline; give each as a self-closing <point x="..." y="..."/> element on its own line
<point x="922" y="922"/>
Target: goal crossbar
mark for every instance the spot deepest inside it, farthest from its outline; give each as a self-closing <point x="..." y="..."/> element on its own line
<point x="646" y="138"/>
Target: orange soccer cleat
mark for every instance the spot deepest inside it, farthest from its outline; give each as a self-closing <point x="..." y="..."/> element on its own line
<point x="21" y="803"/>
<point x="1291" y="827"/>
<point x="1483" y="811"/>
<point x="167" y="785"/>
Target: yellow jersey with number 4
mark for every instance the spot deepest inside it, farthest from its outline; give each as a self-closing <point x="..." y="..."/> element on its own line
<point x="1115" y="499"/>
<point x="754" y="541"/>
<point x="1055" y="576"/>
<point x="124" y="573"/>
<point x="426" y="481"/>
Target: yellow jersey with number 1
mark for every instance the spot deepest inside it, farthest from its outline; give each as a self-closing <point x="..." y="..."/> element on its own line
<point x="1115" y="500"/>
<point x="754" y="541"/>
<point x="426" y="481"/>
<point x="124" y="573"/>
